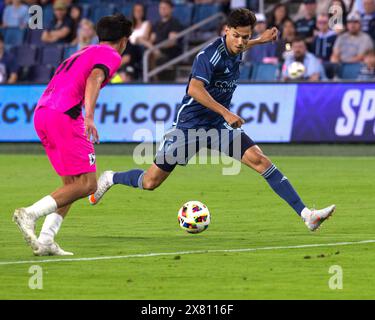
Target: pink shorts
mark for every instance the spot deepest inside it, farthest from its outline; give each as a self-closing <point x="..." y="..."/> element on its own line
<point x="65" y="142"/>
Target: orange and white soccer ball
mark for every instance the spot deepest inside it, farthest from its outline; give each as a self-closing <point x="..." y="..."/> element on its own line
<point x="194" y="217"/>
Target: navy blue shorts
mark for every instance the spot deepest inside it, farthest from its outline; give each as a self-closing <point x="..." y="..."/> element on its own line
<point x="179" y="145"/>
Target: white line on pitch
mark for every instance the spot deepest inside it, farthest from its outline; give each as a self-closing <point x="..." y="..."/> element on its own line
<point x="145" y="255"/>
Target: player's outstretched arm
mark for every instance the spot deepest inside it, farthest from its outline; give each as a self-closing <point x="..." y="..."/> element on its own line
<point x="198" y="92"/>
<point x="267" y="36"/>
<point x="93" y="85"/>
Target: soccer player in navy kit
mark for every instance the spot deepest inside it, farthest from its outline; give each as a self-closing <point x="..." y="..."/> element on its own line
<point x="206" y="107"/>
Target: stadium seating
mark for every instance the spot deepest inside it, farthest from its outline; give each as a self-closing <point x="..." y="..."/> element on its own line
<point x="94" y="2"/>
<point x="125" y="9"/>
<point x="68" y="51"/>
<point x="265" y="72"/>
<point x="27" y="46"/>
<point x="253" y="5"/>
<point x="85" y="10"/>
<point x="349" y="71"/>
<point x="51" y="55"/>
<point x="34" y="37"/>
<point x="245" y="72"/>
<point x="184" y="13"/>
<point x="152" y="12"/>
<point x="101" y="10"/>
<point x="203" y="11"/>
<point x="40" y="73"/>
<point x="26" y="55"/>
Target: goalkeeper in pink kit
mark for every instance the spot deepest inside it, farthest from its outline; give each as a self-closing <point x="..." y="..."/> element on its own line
<point x="67" y="136"/>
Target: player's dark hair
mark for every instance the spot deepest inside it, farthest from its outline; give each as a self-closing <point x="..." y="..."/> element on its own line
<point x="1" y="38"/>
<point x="241" y="17"/>
<point x="113" y="28"/>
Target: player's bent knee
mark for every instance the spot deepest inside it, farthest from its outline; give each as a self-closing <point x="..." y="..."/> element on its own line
<point x="255" y="159"/>
<point x="262" y="163"/>
<point x="265" y="161"/>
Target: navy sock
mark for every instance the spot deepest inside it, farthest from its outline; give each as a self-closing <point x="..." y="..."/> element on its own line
<point x="280" y="184"/>
<point x="132" y="178"/>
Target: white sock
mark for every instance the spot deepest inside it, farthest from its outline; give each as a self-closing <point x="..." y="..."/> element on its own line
<point x="42" y="207"/>
<point x="50" y="228"/>
<point x="305" y="213"/>
<point x="111" y="174"/>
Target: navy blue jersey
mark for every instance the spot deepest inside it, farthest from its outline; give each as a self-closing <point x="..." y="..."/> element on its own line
<point x="219" y="71"/>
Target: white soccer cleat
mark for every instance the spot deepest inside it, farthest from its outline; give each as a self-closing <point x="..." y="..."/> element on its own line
<point x="315" y="218"/>
<point x="104" y="183"/>
<point x="51" y="249"/>
<point x="26" y="224"/>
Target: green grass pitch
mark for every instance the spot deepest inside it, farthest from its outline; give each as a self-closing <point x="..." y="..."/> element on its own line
<point x="245" y="214"/>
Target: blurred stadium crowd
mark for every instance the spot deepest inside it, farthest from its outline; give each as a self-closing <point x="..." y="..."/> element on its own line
<point x="333" y="39"/>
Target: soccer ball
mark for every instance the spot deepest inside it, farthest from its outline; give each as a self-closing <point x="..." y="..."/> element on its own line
<point x="194" y="217"/>
<point x="296" y="70"/>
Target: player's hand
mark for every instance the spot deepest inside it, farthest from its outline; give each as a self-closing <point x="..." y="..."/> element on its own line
<point x="269" y="35"/>
<point x="234" y="120"/>
<point x="90" y="130"/>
